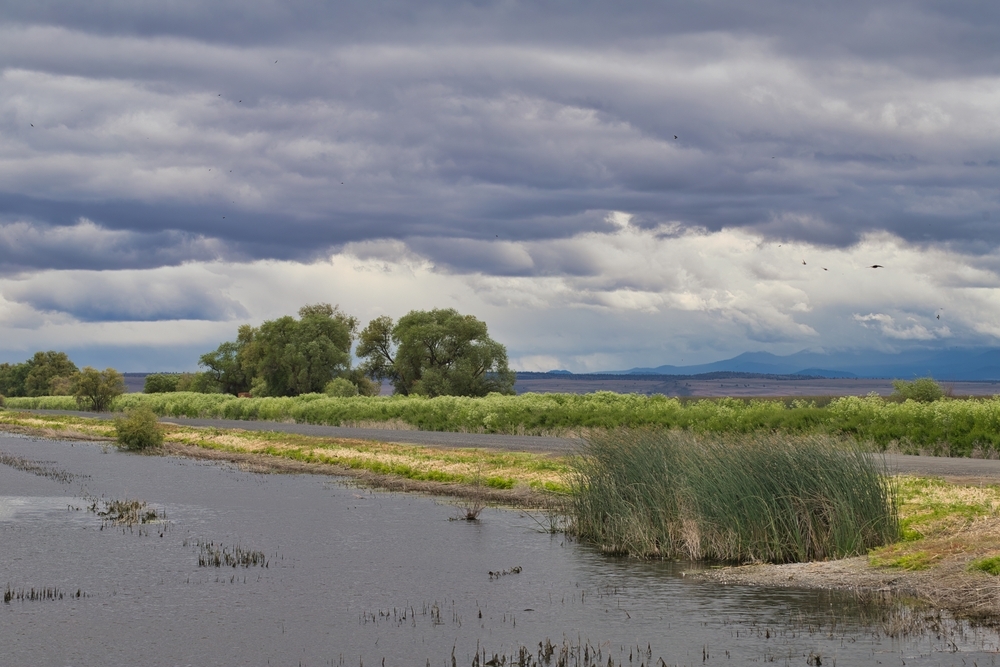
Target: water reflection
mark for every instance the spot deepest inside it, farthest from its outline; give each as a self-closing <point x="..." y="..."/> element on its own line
<point x="358" y="577"/>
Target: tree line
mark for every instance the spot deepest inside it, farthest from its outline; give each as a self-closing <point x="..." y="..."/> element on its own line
<point x="52" y="373"/>
<point x="425" y="353"/>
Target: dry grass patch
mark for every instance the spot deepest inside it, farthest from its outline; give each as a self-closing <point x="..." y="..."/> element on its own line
<point x="942" y="524"/>
<point x="501" y="470"/>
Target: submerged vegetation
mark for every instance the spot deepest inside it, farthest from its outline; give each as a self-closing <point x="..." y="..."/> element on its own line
<point x="124" y="512"/>
<point x="775" y="499"/>
<point x="955" y="427"/>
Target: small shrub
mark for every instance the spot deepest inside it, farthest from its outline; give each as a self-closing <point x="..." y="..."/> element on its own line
<point x="138" y="430"/>
<point x="922" y="390"/>
<point x="340" y="388"/>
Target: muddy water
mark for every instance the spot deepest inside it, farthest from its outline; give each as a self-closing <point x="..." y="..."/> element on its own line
<point x="355" y="577"/>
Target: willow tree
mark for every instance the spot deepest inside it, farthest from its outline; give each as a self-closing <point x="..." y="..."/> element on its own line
<point x="435" y="353"/>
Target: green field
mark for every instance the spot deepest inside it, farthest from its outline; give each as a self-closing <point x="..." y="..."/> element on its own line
<point x="955" y="427"/>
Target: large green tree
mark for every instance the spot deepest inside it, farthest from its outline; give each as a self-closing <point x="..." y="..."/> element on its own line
<point x="96" y="389"/>
<point x="232" y="365"/>
<point x="12" y="377"/>
<point x="40" y="375"/>
<point x="47" y="367"/>
<point x="435" y="353"/>
<point x="286" y="356"/>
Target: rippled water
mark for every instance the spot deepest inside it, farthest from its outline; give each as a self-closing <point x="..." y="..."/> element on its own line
<point x="358" y="577"/>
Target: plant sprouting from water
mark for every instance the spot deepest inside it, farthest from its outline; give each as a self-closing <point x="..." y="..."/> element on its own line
<point x="211" y="554"/>
<point x="124" y="513"/>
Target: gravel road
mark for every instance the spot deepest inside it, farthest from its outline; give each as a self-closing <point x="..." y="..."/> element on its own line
<point x="952" y="468"/>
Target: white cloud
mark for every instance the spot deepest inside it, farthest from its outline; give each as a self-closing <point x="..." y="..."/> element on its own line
<point x="913" y="331"/>
<point x="644" y="299"/>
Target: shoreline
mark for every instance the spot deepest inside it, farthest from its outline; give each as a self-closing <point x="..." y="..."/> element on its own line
<point x="949" y="587"/>
<point x="296" y="454"/>
<point x="268" y="464"/>
<point x="951" y="523"/>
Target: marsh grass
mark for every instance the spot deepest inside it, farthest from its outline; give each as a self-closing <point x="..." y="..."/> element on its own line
<point x="754" y="498"/>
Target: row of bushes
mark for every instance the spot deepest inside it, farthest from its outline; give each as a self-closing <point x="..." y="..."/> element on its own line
<point x="956" y="427"/>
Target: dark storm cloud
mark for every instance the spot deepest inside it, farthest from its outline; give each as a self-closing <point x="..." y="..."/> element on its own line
<point x="125" y="297"/>
<point x="451" y="125"/>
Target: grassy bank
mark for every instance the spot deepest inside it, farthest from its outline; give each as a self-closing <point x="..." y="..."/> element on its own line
<point x="755" y="498"/>
<point x="955" y="427"/>
<point x="460" y="468"/>
<point x="948" y="556"/>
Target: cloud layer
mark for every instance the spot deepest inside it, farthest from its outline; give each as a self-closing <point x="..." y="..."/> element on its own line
<point x="646" y="176"/>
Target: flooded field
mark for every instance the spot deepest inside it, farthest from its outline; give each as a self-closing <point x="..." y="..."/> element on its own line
<point x="214" y="565"/>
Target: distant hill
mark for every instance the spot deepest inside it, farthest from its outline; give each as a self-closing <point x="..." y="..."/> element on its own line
<point x="973" y="364"/>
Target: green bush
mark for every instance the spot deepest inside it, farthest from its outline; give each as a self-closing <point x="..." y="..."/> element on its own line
<point x="3" y="401"/>
<point x="340" y="388"/>
<point x="771" y="498"/>
<point x="138" y="430"/>
<point x="922" y="390"/>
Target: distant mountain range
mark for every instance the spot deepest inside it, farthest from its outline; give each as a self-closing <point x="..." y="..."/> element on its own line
<point x="948" y="364"/>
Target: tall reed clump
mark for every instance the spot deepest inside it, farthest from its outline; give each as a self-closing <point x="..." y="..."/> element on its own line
<point x="739" y="498"/>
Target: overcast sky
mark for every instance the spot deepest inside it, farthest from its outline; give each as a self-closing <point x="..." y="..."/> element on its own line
<point x="605" y="184"/>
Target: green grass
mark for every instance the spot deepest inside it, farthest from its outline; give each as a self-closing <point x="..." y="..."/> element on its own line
<point x="989" y="565"/>
<point x="919" y="560"/>
<point x="671" y="494"/>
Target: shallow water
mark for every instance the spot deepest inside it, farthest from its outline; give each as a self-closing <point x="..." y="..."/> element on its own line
<point x="357" y="577"/>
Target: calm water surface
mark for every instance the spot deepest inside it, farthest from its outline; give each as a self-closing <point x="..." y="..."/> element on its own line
<point x="356" y="577"/>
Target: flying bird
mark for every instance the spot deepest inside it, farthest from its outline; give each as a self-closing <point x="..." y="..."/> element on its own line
<point x="877" y="266"/>
<point x="675" y="136"/>
<point x="803" y="262"/>
<point x="939" y="316"/>
<point x="825" y="269"/>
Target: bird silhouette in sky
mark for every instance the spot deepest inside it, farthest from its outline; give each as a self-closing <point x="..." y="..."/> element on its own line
<point x="825" y="269"/>
<point x="803" y="262"/>
<point x="939" y="316"/>
<point x="877" y="266"/>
